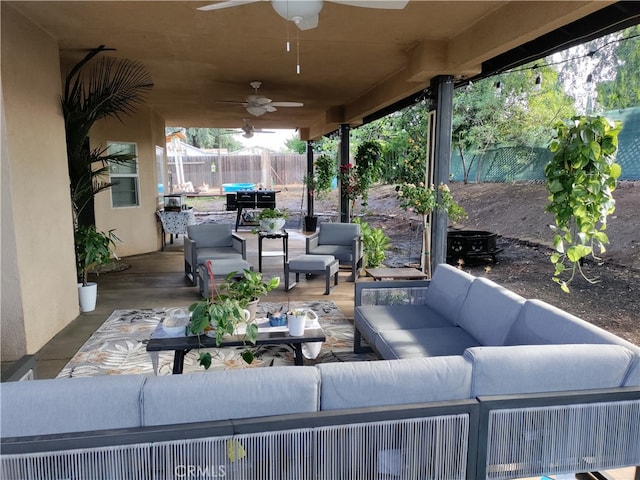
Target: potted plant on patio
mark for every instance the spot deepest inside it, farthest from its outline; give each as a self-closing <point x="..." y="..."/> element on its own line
<point x="93" y="248"/>
<point x="318" y="183"/>
<point x="247" y="289"/>
<point x="272" y="220"/>
<point x="221" y="314"/>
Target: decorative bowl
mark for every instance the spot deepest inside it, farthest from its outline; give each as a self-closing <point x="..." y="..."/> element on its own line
<point x="277" y="321"/>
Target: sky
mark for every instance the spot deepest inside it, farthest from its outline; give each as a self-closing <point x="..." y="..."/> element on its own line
<point x="275" y="141"/>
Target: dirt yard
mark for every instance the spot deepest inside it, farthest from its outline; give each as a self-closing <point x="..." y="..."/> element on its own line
<point x="516" y="213"/>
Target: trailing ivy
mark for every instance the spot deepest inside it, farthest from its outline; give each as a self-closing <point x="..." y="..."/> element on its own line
<point x="581" y="179"/>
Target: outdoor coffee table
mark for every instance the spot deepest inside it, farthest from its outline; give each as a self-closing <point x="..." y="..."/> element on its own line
<point x="267" y="335"/>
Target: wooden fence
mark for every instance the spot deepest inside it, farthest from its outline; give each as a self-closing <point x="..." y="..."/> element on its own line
<point x="267" y="171"/>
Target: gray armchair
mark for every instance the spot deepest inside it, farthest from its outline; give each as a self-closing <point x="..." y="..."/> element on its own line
<point x="210" y="241"/>
<point x="342" y="240"/>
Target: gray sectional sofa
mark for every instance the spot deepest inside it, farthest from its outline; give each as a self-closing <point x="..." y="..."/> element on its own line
<point x="475" y="382"/>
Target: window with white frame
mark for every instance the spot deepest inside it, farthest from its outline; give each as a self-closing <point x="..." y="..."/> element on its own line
<point x="124" y="175"/>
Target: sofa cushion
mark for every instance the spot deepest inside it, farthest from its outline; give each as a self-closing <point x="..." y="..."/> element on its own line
<point x="546" y="368"/>
<point x="211" y="234"/>
<point x="341" y="252"/>
<point x="223" y="395"/>
<point x="395" y="382"/>
<point x="447" y="290"/>
<point x="541" y="323"/>
<point x="488" y="311"/>
<point x="338" y="233"/>
<point x="423" y="342"/>
<point x="372" y="319"/>
<point x="63" y="405"/>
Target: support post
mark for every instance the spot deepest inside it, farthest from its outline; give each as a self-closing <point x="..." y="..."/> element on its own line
<point x="442" y="103"/>
<point x="310" y="205"/>
<point x="345" y="208"/>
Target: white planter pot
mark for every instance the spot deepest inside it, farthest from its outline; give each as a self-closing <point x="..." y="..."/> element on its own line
<point x="272" y="225"/>
<point x="87" y="296"/>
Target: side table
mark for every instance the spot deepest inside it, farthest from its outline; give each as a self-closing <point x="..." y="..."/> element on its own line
<point x="284" y="235"/>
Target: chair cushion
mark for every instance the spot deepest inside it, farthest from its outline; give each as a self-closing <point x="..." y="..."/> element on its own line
<point x="311" y="262"/>
<point x="489" y="311"/>
<point x="338" y="233"/>
<point x="370" y="384"/>
<point x="447" y="290"/>
<point x="341" y="252"/>
<point x="250" y="392"/>
<point x="216" y="253"/>
<point x="423" y="342"/>
<point x="547" y="368"/>
<point x="64" y="405"/>
<point x="211" y="234"/>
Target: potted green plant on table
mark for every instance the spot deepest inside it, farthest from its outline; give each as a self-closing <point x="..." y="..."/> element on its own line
<point x="247" y="289"/>
<point x="219" y="315"/>
<point x="93" y="249"/>
<point x="272" y="220"/>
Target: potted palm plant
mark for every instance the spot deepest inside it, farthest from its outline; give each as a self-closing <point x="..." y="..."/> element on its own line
<point x="93" y="248"/>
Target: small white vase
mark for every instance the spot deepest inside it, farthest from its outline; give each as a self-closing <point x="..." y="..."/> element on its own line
<point x="87" y="296"/>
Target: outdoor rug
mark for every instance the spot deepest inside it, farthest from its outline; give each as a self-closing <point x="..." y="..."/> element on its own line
<point x="118" y="347"/>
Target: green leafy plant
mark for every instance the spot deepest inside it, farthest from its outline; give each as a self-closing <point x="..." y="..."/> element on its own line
<point x="93" y="248"/>
<point x="424" y="200"/>
<point x="324" y="170"/>
<point x="222" y="315"/>
<point x="355" y="180"/>
<point x="223" y="311"/>
<point x="581" y="179"/>
<point x="374" y="243"/>
<point x="269" y="213"/>
<point x="251" y="286"/>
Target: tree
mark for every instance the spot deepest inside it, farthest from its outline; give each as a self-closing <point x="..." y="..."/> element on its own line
<point x="296" y="145"/>
<point x="512" y="109"/>
<point x="624" y="90"/>
<point x="111" y="88"/>
<point x="211" y="138"/>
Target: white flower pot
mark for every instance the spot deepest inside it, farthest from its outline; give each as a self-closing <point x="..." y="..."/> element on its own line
<point x="272" y="225"/>
<point x="87" y="296"/>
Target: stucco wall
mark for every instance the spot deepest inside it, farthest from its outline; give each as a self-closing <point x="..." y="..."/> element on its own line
<point x="137" y="227"/>
<point x="42" y="271"/>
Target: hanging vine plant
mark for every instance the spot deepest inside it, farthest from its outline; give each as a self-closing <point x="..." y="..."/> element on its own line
<point x="581" y="179"/>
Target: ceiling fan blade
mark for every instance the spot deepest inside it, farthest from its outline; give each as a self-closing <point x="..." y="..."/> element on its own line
<point x="269" y="107"/>
<point x="381" y="4"/>
<point x="287" y="104"/>
<point x="227" y="4"/>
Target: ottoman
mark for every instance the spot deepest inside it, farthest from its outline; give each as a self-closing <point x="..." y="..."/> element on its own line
<point x="221" y="268"/>
<point x="325" y="265"/>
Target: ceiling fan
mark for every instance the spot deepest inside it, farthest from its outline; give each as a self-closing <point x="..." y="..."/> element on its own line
<point x="258" y="105"/>
<point x="304" y="13"/>
<point x="248" y="130"/>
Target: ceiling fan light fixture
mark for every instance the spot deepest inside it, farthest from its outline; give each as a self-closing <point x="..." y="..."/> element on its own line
<point x="256" y="111"/>
<point x="289" y="9"/>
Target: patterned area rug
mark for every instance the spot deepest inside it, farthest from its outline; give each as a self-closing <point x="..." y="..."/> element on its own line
<point x="118" y="347"/>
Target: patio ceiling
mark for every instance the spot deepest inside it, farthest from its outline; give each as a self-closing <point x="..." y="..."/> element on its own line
<point x="355" y="63"/>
